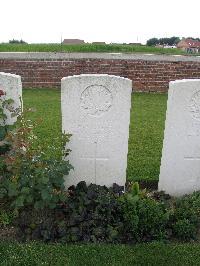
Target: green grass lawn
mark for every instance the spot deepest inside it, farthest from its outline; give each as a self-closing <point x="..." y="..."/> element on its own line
<point x="157" y="254"/>
<point x="87" y="48"/>
<point x="146" y="128"/>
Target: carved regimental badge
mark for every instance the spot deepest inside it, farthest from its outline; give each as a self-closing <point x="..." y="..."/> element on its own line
<point x="96" y="100"/>
<point x="194" y="105"/>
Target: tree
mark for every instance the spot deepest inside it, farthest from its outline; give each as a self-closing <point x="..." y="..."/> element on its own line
<point x="17" y="41"/>
<point x="163" y="41"/>
<point x="152" y="42"/>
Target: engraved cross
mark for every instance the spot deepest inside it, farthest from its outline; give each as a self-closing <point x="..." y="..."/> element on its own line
<point x="95" y="159"/>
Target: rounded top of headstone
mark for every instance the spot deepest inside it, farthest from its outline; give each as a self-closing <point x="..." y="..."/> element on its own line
<point x="183" y="81"/>
<point x="9" y="75"/>
<point x="95" y="76"/>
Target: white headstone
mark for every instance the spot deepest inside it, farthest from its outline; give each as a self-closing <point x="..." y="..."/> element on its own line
<point x="180" y="164"/>
<point x="96" y="111"/>
<point x="11" y="85"/>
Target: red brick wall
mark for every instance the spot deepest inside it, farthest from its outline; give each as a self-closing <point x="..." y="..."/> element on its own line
<point x="146" y="75"/>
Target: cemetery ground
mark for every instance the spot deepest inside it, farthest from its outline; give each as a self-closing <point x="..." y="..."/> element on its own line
<point x="145" y="144"/>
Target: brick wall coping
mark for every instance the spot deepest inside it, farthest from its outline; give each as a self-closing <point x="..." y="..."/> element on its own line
<point x="112" y="56"/>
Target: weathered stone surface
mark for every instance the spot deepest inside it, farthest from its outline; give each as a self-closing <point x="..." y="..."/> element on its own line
<point x="11" y="85"/>
<point x="96" y="111"/>
<point x="180" y="164"/>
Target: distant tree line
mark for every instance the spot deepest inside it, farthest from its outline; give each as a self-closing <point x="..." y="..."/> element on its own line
<point x="167" y="41"/>
<point x="17" y="41"/>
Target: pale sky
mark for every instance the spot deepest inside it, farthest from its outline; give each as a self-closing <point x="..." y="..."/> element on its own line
<point x="122" y="21"/>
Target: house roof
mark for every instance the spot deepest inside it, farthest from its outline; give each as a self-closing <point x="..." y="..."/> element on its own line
<point x="73" y="41"/>
<point x="192" y="43"/>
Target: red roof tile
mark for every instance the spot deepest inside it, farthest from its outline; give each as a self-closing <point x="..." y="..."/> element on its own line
<point x="193" y="43"/>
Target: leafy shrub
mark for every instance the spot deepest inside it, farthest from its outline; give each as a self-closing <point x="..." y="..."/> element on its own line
<point x="144" y="218"/>
<point x="93" y="213"/>
<point x="184" y="229"/>
<point x="185" y="218"/>
<point x="6" y="217"/>
<point x="153" y="219"/>
<point x="98" y="214"/>
<point x="90" y="214"/>
<point x="34" y="224"/>
<point x="30" y="177"/>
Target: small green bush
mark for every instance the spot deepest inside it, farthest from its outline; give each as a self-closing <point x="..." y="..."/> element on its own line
<point x="184" y="229"/>
<point x="6" y="217"/>
<point x="153" y="220"/>
<point x="89" y="214"/>
<point x="35" y="224"/>
<point x="99" y="214"/>
<point x="93" y="214"/>
<point x="30" y="176"/>
<point x="144" y="218"/>
<point x="185" y="218"/>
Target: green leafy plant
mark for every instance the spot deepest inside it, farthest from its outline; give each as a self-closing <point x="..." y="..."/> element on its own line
<point x="184" y="229"/>
<point x="153" y="220"/>
<point x="30" y="176"/>
<point x="93" y="213"/>
<point x="185" y="218"/>
<point x="37" y="224"/>
<point x="89" y="214"/>
<point x="6" y="217"/>
<point x="99" y="214"/>
<point x="144" y="218"/>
